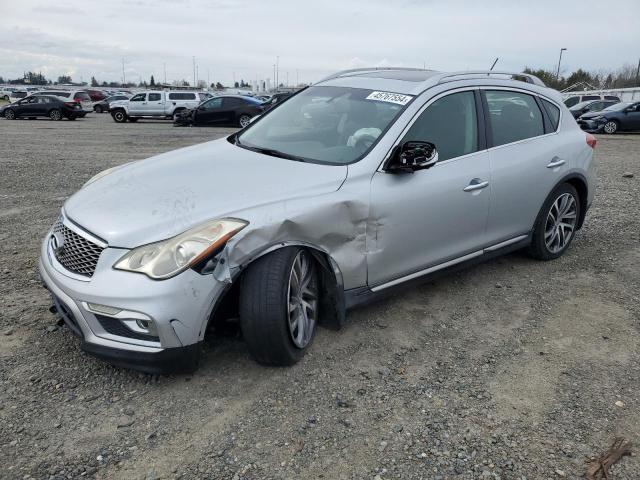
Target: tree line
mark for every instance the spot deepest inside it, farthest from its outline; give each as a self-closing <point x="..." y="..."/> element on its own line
<point x="623" y="77"/>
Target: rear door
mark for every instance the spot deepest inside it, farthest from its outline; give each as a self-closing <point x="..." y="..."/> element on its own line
<point x="230" y="108"/>
<point x="528" y="157"/>
<point x="42" y="105"/>
<point x="155" y="104"/>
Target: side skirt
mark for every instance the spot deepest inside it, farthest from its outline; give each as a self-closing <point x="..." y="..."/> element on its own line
<point x="356" y="297"/>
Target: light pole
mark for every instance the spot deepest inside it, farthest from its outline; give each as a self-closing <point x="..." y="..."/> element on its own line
<point x="559" y="60"/>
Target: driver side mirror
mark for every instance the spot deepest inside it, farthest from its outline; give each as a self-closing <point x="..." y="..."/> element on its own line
<point x="412" y="156"/>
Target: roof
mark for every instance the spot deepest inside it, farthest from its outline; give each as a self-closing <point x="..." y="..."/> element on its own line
<point x="414" y="81"/>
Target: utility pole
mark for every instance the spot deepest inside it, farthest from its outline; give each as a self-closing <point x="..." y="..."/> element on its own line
<point x="559" y="60"/>
<point x="197" y="77"/>
<point x="274" y="75"/>
<point x="164" y="65"/>
<point x="277" y="72"/>
<point x="124" y="80"/>
<point x="494" y="64"/>
<point x="194" y="70"/>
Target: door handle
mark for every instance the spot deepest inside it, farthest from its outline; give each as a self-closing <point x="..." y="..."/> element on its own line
<point x="555" y="162"/>
<point x="476" y="184"/>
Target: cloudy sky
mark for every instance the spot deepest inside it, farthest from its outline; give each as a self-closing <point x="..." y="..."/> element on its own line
<point x="241" y="38"/>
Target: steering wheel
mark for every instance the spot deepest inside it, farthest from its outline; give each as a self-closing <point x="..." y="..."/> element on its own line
<point x="364" y="142"/>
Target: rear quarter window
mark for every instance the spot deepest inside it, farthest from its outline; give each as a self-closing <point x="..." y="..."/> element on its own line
<point x="553" y="112"/>
<point x="82" y="96"/>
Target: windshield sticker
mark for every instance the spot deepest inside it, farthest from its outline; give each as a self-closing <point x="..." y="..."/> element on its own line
<point x="390" y="97"/>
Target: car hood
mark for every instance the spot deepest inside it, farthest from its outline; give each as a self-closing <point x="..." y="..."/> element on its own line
<point x="162" y="196"/>
<point x="590" y="115"/>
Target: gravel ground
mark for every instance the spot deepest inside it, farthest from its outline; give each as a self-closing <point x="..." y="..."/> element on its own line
<point x="514" y="369"/>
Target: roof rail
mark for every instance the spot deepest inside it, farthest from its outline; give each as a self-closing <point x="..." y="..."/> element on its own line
<point x="448" y="77"/>
<point x="342" y="73"/>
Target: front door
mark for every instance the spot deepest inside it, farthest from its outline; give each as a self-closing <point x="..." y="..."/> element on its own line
<point x="210" y="112"/>
<point x="426" y="218"/>
<point x="137" y="104"/>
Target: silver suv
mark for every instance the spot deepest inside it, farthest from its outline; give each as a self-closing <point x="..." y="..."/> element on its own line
<point x="357" y="185"/>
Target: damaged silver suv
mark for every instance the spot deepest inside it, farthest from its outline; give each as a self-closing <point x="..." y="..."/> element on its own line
<point x="357" y="185"/>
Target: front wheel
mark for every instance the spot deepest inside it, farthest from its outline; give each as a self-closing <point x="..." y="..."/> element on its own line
<point x="55" y="115"/>
<point x="610" y="127"/>
<point x="244" y="120"/>
<point x="279" y="306"/>
<point x="556" y="224"/>
<point x="119" y="116"/>
<point x="10" y="114"/>
<point x="98" y="108"/>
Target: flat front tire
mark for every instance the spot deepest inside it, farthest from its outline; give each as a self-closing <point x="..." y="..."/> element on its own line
<point x="556" y="224"/>
<point x="279" y="306"/>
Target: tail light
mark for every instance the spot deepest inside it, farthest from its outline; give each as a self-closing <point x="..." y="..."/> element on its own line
<point x="591" y="141"/>
<point x="70" y="104"/>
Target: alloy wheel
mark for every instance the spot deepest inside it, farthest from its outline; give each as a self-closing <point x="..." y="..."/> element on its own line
<point x="302" y="300"/>
<point x="610" y="127"/>
<point x="55" y="115"/>
<point x="245" y="120"/>
<point x="9" y="115"/>
<point x="561" y="222"/>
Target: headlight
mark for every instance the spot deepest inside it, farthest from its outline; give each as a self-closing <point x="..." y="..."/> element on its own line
<point x="170" y="257"/>
<point x="599" y="117"/>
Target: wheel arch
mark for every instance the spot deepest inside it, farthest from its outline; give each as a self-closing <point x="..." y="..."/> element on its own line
<point x="332" y="300"/>
<point x="579" y="182"/>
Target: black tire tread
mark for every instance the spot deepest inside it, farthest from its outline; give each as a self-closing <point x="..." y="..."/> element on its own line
<point x="263" y="305"/>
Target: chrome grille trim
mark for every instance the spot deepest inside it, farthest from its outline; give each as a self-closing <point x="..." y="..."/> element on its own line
<point x="78" y="254"/>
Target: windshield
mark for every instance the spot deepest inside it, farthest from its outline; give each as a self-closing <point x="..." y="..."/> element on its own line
<point x="617" y="107"/>
<point x="328" y="125"/>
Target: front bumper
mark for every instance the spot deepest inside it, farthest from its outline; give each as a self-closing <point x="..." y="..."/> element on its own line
<point x="179" y="307"/>
<point x="591" y="126"/>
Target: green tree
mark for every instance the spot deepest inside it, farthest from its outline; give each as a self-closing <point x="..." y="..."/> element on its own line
<point x="64" y="79"/>
<point x="152" y="82"/>
<point x="219" y="86"/>
<point x="94" y="82"/>
<point x="1" y="80"/>
<point x="236" y="85"/>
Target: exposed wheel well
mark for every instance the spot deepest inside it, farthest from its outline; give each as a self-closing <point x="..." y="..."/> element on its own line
<point x="332" y="304"/>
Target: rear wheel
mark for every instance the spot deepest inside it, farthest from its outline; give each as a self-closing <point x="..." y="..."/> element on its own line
<point x="556" y="224"/>
<point x="279" y="306"/>
<point x="9" y="114"/>
<point x="55" y="114"/>
<point x="244" y="120"/>
<point x="610" y="127"/>
<point x="98" y="108"/>
<point x="177" y="114"/>
<point x="119" y="116"/>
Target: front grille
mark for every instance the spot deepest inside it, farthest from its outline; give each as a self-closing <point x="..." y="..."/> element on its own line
<point x="78" y="255"/>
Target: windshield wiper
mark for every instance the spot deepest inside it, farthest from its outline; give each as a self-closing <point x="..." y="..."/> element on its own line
<point x="270" y="151"/>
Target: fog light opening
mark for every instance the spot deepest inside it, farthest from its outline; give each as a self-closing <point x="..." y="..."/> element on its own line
<point x="148" y="326"/>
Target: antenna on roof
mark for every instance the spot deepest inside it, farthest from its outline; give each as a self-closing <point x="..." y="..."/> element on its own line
<point x="494" y="63"/>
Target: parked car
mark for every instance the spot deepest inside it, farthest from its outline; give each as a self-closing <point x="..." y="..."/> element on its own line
<point x="232" y="110"/>
<point x="575" y="99"/>
<point x="105" y="105"/>
<point x="154" y="105"/>
<point x="96" y="95"/>
<point x="42" y="106"/>
<point x="307" y="212"/>
<point x="5" y="93"/>
<point x="17" y="95"/>
<point x="590" y="106"/>
<point x="275" y="99"/>
<point x="619" y="117"/>
<point x="78" y="96"/>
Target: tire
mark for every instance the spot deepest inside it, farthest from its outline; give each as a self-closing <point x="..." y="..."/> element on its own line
<point x="610" y="127"/>
<point x="177" y="113"/>
<point x="552" y="236"/>
<point x="9" y="114"/>
<point x="244" y="120"/>
<point x="132" y="120"/>
<point x="98" y="109"/>
<point x="119" y="116"/>
<point x="71" y="117"/>
<point x="55" y="115"/>
<point x="6" y="97"/>
<point x="271" y="301"/>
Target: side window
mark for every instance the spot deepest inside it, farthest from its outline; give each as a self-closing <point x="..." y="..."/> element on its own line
<point x="590" y="97"/>
<point x="553" y="112"/>
<point x="212" y="104"/>
<point x="138" y="98"/>
<point x="233" y="102"/>
<point x="154" y="97"/>
<point x="513" y="116"/>
<point x="450" y="123"/>
<point x="571" y="101"/>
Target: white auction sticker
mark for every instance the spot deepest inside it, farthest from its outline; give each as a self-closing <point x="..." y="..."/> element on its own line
<point x="390" y="97"/>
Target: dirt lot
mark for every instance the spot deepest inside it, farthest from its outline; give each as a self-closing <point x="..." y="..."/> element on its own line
<point x="515" y="369"/>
